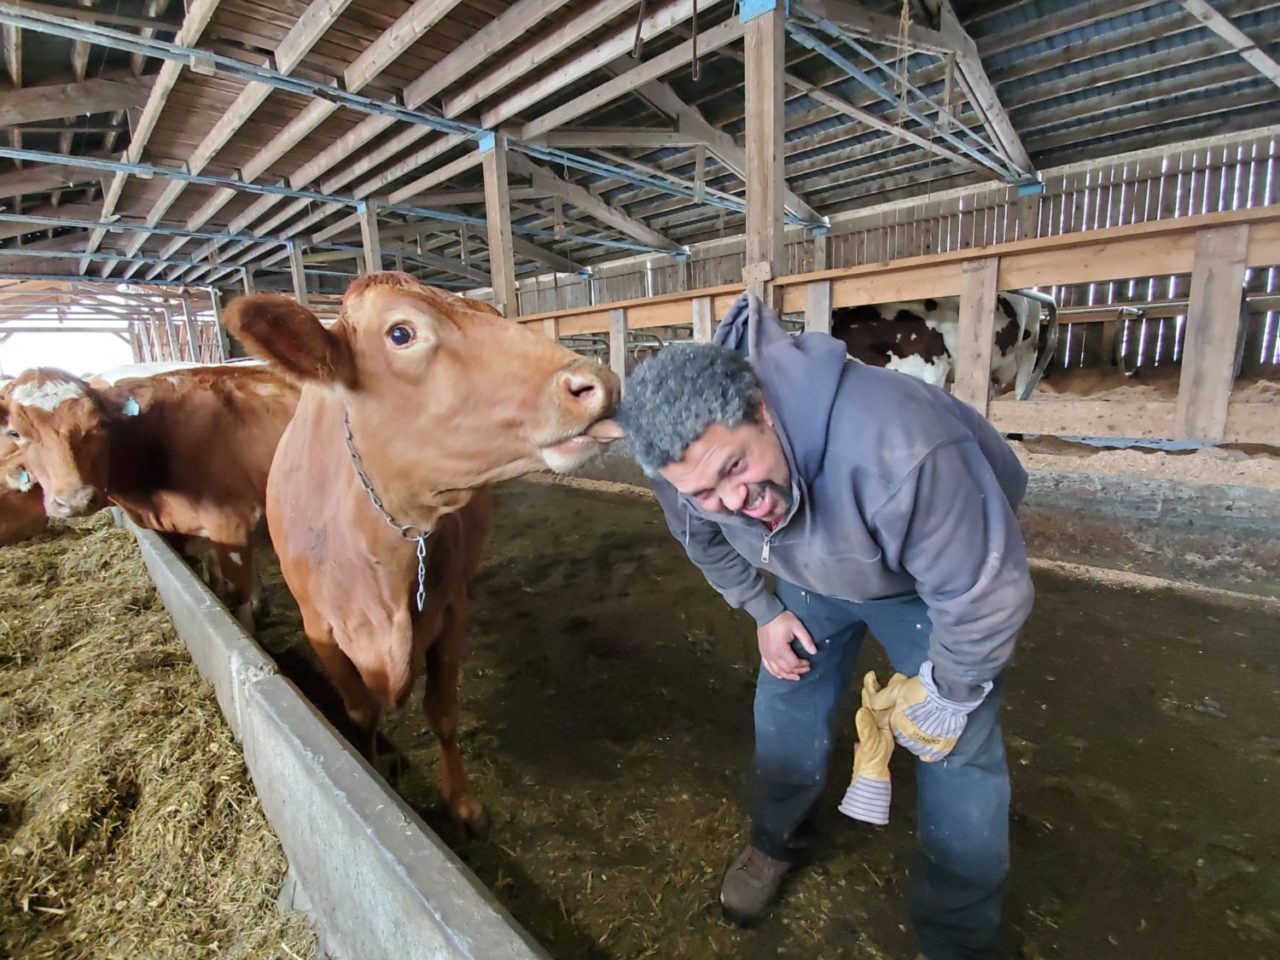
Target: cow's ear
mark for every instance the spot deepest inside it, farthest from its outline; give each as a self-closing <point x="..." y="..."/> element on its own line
<point x="287" y="334"/>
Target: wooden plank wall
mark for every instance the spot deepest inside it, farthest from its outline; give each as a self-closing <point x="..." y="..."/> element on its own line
<point x="1179" y="183"/>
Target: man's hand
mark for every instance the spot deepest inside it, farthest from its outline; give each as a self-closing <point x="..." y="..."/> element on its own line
<point x="776" y="654"/>
<point x="922" y="720"/>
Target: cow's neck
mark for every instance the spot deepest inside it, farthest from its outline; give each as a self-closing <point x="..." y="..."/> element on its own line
<point x="417" y="504"/>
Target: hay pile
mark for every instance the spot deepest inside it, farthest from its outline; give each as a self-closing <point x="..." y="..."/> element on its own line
<point x="128" y="826"/>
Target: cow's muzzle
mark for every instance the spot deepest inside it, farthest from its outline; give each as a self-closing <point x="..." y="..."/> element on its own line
<point x="73" y="502"/>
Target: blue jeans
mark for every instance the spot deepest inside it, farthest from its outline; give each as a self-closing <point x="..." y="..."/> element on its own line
<point x="956" y="880"/>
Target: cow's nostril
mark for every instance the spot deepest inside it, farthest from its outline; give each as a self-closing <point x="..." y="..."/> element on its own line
<point x="580" y="387"/>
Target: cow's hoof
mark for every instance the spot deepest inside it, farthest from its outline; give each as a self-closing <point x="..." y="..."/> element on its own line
<point x="473" y="818"/>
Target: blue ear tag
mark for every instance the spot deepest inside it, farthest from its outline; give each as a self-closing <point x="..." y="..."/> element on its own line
<point x="25" y="482"/>
<point x="131" y="408"/>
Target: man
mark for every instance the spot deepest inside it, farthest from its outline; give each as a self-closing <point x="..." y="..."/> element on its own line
<point x="877" y="501"/>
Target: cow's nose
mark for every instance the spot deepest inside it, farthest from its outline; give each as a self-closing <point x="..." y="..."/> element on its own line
<point x="587" y="387"/>
<point x="75" y="502"/>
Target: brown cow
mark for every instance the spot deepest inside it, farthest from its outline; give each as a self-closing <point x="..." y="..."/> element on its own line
<point x="423" y="399"/>
<point x="185" y="453"/>
<point x="22" y="513"/>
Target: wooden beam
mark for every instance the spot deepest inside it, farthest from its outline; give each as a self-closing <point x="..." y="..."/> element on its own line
<point x="618" y="344"/>
<point x="502" y="270"/>
<point x="199" y="13"/>
<point x="982" y="91"/>
<point x="1236" y="38"/>
<point x="298" y="273"/>
<point x="1212" y="332"/>
<point x="616" y="138"/>
<point x="627" y="82"/>
<point x="62" y="100"/>
<point x="11" y="37"/>
<point x="458" y="198"/>
<point x="977" y="307"/>
<point x="590" y="204"/>
<point x="466" y="162"/>
<point x="297" y="43"/>
<point x="395" y="40"/>
<point x="40" y="179"/>
<point x="594" y="58"/>
<point x="858" y="20"/>
<point x="765" y="252"/>
<point x="372" y="243"/>
<point x="692" y="122"/>
<point x="704" y="320"/>
<point x="817" y="306"/>
<point x="522" y="63"/>
<point x="532" y="251"/>
<point x="455" y="267"/>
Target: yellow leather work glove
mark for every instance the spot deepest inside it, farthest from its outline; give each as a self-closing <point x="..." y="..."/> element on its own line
<point x="870" y="790"/>
<point x="922" y="720"/>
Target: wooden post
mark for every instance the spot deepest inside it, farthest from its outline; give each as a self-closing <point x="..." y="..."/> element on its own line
<point x="246" y="277"/>
<point x="1212" y="336"/>
<point x="1110" y="331"/>
<point x="299" y="275"/>
<point x="368" y="214"/>
<point x="618" y="343"/>
<point x="224" y="342"/>
<point x="977" y="307"/>
<point x="551" y="328"/>
<point x="497" y="205"/>
<point x="817" y="306"/>
<point x="170" y="339"/>
<point x="821" y="251"/>
<point x="763" y="44"/>
<point x="704" y="320"/>
<point x="193" y="344"/>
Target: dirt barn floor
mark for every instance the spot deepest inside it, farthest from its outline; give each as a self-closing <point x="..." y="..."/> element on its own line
<point x="606" y="724"/>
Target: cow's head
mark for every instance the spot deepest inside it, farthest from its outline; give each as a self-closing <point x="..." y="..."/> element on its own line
<point x="59" y="425"/>
<point x="454" y="394"/>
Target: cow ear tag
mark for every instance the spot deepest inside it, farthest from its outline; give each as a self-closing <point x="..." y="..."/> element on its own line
<point x="131" y="408"/>
<point x="25" y="483"/>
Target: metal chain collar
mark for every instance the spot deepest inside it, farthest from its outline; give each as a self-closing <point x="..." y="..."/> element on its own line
<point x="407" y="531"/>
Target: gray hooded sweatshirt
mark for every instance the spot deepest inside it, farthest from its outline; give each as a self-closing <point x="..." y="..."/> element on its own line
<point x="898" y="489"/>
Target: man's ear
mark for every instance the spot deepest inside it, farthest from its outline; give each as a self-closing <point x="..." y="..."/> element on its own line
<point x="287" y="334"/>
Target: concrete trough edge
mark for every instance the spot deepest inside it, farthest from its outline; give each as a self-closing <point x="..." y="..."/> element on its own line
<point x="374" y="879"/>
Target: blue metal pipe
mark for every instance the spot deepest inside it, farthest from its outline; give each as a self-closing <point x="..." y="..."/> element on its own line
<point x="79" y="278"/>
<point x="79" y="255"/>
<point x="806" y="39"/>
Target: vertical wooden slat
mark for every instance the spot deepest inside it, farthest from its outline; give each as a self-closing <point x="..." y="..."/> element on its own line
<point x="618" y="343"/>
<point x="497" y="204"/>
<point x="1212" y="332"/>
<point x="703" y="319"/>
<point x="977" y="306"/>
<point x="817" y="306"/>
<point x="763" y="46"/>
<point x="298" y="273"/>
<point x="367" y="211"/>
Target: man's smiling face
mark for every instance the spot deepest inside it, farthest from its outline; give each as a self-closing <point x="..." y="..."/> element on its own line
<point x="740" y="470"/>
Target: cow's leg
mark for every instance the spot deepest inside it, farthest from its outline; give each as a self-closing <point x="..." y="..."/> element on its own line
<point x="360" y="703"/>
<point x="441" y="704"/>
<point x="235" y="564"/>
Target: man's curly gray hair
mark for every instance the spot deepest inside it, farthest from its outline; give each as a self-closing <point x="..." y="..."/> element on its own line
<point x="674" y="397"/>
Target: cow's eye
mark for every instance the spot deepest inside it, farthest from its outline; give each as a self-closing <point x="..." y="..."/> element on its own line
<point x="13" y="434"/>
<point x="400" y="335"/>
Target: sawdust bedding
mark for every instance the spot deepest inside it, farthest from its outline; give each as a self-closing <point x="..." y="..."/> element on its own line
<point x="128" y="825"/>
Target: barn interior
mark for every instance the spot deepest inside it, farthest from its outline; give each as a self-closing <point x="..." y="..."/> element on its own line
<point x="613" y="174"/>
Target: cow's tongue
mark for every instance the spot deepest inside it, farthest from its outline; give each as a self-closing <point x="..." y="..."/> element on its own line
<point x="605" y="431"/>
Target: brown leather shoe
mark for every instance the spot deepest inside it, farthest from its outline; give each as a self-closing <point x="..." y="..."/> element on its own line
<point x="751" y="886"/>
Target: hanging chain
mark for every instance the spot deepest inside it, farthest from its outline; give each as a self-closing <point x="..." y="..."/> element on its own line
<point x="407" y="531"/>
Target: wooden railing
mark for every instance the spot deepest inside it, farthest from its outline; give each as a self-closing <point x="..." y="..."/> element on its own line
<point x="1215" y="249"/>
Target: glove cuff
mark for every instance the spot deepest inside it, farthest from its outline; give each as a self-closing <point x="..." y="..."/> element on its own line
<point x="867" y="800"/>
<point x="930" y="687"/>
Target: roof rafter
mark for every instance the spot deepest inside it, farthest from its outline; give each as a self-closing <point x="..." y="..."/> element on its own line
<point x="1240" y="41"/>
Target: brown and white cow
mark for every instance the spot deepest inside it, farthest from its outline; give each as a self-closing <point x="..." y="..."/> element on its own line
<point x="186" y="453"/>
<point x="22" y="513"/>
<point x="920" y="338"/>
<point x="432" y="398"/>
